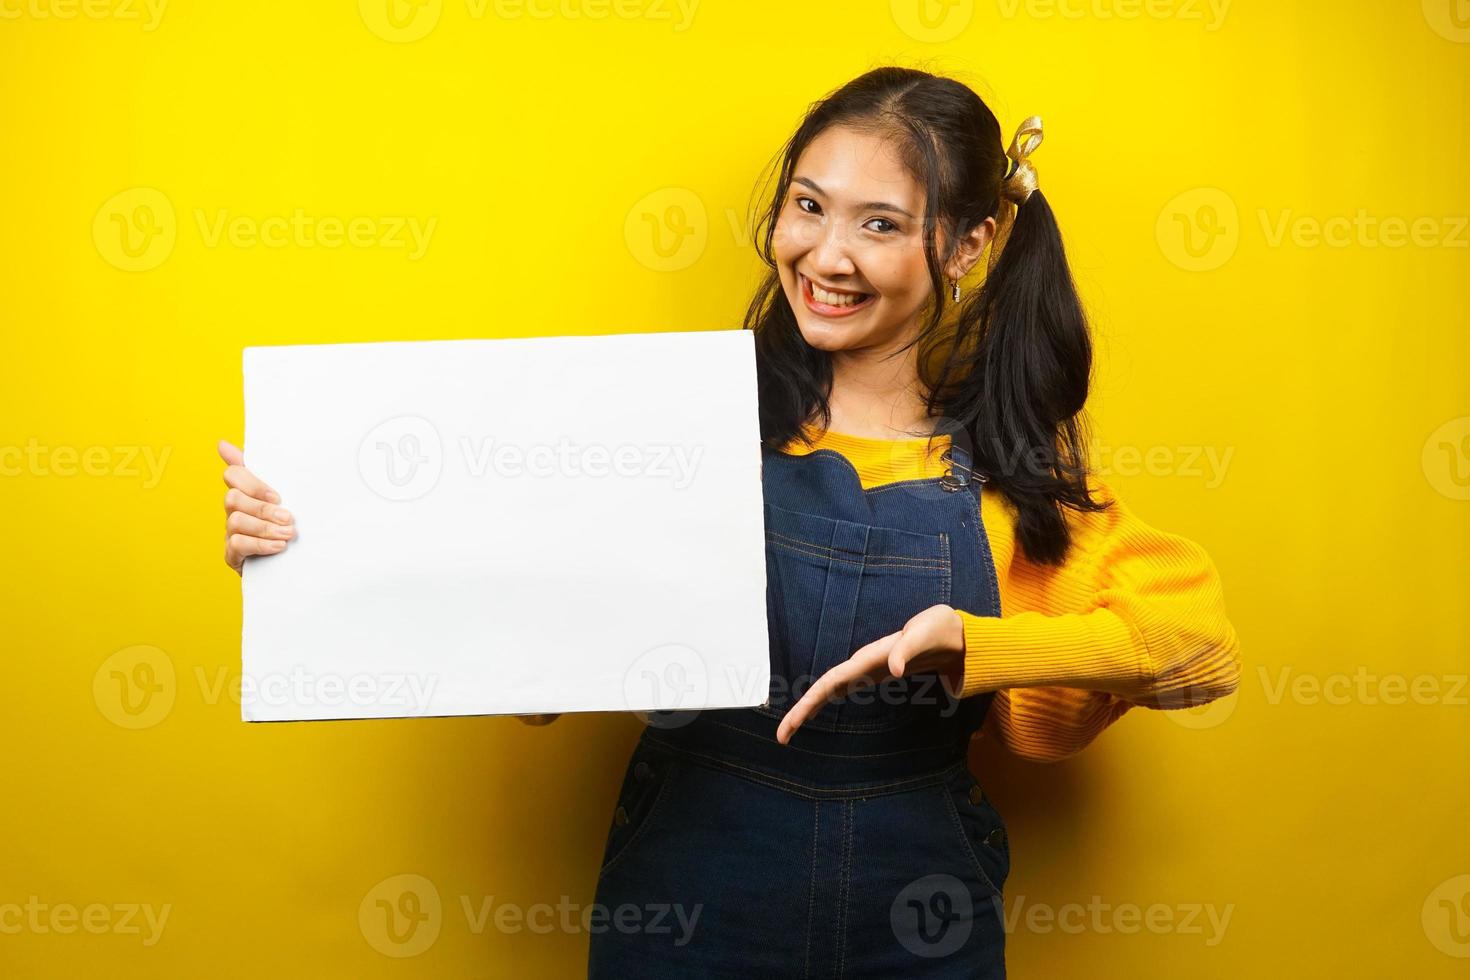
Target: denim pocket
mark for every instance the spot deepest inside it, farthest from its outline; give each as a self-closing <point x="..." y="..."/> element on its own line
<point x="645" y="785"/>
<point x="834" y="586"/>
<point x="979" y="830"/>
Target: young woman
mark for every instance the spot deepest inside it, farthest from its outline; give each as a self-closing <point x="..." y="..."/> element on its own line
<point x="940" y="563"/>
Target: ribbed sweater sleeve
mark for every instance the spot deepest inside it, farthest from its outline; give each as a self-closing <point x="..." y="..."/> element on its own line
<point x="1136" y="616"/>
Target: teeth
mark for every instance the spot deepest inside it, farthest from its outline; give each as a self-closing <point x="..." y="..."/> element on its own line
<point x="835" y="299"/>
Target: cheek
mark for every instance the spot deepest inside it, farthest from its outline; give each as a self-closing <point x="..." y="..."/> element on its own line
<point x="901" y="277"/>
<point x="784" y="244"/>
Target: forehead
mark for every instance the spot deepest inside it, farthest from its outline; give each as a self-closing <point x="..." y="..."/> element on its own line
<point x="854" y="168"/>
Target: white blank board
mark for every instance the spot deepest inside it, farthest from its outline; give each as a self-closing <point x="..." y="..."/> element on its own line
<point x="510" y="526"/>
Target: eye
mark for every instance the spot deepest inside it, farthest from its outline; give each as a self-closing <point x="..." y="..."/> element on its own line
<point x="801" y="200"/>
<point x="891" y="226"/>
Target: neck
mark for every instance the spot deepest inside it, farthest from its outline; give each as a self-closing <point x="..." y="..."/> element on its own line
<point x="876" y="393"/>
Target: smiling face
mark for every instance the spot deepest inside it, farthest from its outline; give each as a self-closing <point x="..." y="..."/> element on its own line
<point x="849" y="244"/>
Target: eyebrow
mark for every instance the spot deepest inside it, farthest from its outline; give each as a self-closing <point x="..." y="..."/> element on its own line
<point x="869" y="206"/>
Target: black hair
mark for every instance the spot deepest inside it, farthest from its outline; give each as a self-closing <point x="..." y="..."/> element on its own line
<point x="1007" y="377"/>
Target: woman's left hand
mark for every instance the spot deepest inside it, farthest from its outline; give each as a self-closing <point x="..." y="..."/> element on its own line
<point x="933" y="641"/>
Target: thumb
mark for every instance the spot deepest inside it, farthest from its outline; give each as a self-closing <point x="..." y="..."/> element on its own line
<point x="231" y="453"/>
<point x="898" y="654"/>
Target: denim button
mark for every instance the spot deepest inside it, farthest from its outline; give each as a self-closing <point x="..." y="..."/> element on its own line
<point x="620" y="816"/>
<point x="643" y="772"/>
<point x="996" y="837"/>
<point x="976" y="795"/>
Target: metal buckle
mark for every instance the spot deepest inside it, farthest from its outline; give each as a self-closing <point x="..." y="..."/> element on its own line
<point x="949" y="481"/>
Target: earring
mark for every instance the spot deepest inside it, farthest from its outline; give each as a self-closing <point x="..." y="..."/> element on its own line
<point x="954" y="290"/>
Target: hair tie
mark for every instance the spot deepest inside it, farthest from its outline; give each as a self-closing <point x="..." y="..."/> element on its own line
<point x="1021" y="180"/>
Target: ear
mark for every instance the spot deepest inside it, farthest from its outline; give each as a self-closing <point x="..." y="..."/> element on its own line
<point x="969" y="248"/>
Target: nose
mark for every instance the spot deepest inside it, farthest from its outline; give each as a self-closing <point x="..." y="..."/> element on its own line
<point x="829" y="255"/>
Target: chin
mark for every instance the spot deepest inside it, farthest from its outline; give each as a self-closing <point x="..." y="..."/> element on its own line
<point x="824" y="336"/>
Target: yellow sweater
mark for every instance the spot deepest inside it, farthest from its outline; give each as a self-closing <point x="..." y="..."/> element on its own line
<point x="1136" y="616"/>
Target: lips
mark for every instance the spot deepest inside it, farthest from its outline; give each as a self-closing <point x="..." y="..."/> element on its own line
<point x="833" y="309"/>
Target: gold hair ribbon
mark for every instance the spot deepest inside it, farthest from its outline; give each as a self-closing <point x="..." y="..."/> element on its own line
<point x="1022" y="181"/>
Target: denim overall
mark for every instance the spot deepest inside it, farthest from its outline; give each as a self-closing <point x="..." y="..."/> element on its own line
<point x="864" y="848"/>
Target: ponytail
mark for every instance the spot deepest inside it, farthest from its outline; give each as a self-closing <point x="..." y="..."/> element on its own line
<point x="1017" y="379"/>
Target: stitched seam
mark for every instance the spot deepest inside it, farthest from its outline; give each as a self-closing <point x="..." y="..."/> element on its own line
<point x="857" y="603"/>
<point x="882" y="561"/>
<point x="846" y="728"/>
<point x="959" y="827"/>
<point x="821" y="612"/>
<point x="948" y="567"/>
<point x="663" y="791"/>
<point x="984" y="542"/>
<point x="812" y="888"/>
<point x="812" y="792"/>
<point x="831" y="755"/>
<point x="846" y="892"/>
<point x="903" y="484"/>
<point x="847" y="463"/>
<point x="923" y="536"/>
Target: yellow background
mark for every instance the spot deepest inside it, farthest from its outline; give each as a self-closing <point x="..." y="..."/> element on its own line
<point x="547" y="142"/>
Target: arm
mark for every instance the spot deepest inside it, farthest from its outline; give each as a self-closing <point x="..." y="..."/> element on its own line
<point x="1049" y="724"/>
<point x="1135" y="617"/>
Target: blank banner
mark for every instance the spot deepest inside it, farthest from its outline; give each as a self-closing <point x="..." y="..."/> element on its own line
<point x="506" y="527"/>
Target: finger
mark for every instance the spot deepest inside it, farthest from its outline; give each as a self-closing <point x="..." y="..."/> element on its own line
<point x="925" y="645"/>
<point x="830" y="684"/>
<point x="793" y="720"/>
<point x="906" y="648"/>
<point x="244" y="545"/>
<point x="241" y="501"/>
<point x="240" y="478"/>
<point x="811" y="702"/>
<point x="231" y="453"/>
<point x="240" y="522"/>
